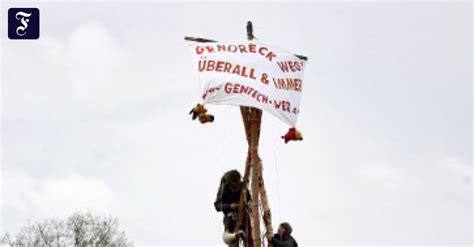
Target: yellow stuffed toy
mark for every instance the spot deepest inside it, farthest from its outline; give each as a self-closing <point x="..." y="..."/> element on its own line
<point x="206" y="118"/>
<point x="199" y="111"/>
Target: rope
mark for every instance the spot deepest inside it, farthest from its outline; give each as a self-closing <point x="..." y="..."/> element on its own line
<point x="247" y="231"/>
<point x="275" y="166"/>
<point x="262" y="232"/>
<point x="219" y="156"/>
<point x="221" y="166"/>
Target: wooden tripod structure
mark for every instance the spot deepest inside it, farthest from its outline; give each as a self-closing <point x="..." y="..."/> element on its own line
<point x="252" y="121"/>
<point x="252" y="118"/>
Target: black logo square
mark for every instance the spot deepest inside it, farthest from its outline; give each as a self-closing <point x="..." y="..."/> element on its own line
<point x="23" y="23"/>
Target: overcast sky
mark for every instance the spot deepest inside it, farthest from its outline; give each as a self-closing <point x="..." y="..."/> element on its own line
<point x="94" y="117"/>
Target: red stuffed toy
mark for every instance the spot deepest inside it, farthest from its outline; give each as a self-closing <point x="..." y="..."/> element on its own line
<point x="292" y="135"/>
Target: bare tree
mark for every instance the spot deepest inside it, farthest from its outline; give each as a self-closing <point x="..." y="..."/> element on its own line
<point x="28" y="236"/>
<point x="6" y="239"/>
<point x="80" y="230"/>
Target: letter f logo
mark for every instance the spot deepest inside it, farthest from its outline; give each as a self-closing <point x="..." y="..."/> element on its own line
<point x="23" y="23"/>
<point x="23" y="18"/>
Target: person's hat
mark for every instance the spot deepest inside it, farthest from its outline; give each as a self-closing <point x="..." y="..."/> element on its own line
<point x="287" y="226"/>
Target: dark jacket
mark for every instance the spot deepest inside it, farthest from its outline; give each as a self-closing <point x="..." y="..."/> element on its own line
<point x="286" y="241"/>
<point x="225" y="197"/>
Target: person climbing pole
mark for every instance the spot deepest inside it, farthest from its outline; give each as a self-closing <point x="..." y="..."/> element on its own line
<point x="227" y="202"/>
<point x="283" y="237"/>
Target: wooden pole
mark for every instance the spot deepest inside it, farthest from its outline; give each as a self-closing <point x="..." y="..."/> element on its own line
<point x="257" y="173"/>
<point x="255" y="122"/>
<point x="252" y="120"/>
<point x="252" y="123"/>
<point x="267" y="215"/>
<point x="241" y="212"/>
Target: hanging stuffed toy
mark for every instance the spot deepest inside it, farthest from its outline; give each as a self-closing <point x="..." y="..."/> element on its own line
<point x="199" y="111"/>
<point x="292" y="135"/>
<point x="206" y="118"/>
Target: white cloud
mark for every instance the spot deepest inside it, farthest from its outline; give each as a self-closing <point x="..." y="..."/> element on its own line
<point x="457" y="167"/>
<point x="26" y="197"/>
<point x="88" y="72"/>
<point x="70" y="193"/>
<point x="386" y="175"/>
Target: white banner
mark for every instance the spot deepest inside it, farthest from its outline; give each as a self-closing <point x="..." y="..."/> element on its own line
<point x="250" y="73"/>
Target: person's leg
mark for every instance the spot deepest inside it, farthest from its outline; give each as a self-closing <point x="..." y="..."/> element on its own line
<point x="229" y="224"/>
<point x="229" y="235"/>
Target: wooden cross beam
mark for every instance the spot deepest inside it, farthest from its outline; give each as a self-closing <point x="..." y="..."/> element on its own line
<point x="249" y="37"/>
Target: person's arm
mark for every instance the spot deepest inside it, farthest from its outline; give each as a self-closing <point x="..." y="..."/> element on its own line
<point x="219" y="203"/>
